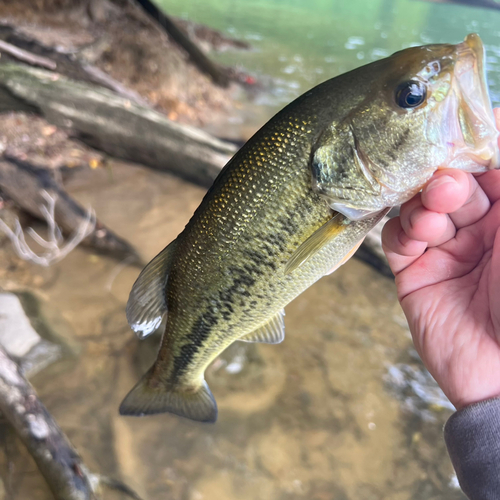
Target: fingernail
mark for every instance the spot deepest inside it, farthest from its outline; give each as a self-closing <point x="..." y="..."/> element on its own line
<point x="443" y="179"/>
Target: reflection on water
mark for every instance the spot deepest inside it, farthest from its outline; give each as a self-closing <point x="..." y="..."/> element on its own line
<point x="318" y="417"/>
<point x="300" y="44"/>
<point x="417" y="390"/>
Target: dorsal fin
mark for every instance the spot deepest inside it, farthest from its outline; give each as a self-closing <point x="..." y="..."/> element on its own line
<point x="146" y="306"/>
<point x="316" y="242"/>
<point x="273" y="332"/>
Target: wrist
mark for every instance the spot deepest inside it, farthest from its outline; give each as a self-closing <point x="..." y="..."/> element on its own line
<point x="472" y="399"/>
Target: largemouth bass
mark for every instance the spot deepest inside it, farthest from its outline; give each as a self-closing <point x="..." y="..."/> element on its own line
<point x="296" y="201"/>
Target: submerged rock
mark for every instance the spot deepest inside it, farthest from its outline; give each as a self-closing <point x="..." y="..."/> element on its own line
<point x="419" y="393"/>
<point x="31" y="333"/>
<point x="16" y="333"/>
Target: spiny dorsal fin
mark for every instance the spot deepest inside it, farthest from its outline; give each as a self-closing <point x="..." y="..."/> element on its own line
<point x="316" y="242"/>
<point x="146" y="306"/>
<point x="273" y="332"/>
<point x="144" y="399"/>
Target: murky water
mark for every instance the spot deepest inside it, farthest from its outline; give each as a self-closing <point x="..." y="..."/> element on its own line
<point x="341" y="410"/>
<point x="298" y="44"/>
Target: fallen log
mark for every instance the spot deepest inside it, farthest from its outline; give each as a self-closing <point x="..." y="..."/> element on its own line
<point x="60" y="464"/>
<point x="113" y="124"/>
<point x="25" y="184"/>
<point x="57" y="460"/>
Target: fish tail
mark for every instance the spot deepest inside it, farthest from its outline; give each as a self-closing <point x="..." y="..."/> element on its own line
<point x="148" y="399"/>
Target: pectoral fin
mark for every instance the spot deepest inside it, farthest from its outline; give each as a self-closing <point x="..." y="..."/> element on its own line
<point x="316" y="242"/>
<point x="146" y="306"/>
<point x="273" y="332"/>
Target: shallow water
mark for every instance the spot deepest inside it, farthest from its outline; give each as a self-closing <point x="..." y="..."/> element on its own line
<point x="340" y="410"/>
<point x="343" y="409"/>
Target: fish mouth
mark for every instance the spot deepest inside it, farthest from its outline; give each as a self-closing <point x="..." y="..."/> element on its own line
<point x="473" y="139"/>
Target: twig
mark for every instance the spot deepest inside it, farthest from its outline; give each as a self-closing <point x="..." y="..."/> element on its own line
<point x="117" y="270"/>
<point x="114" y="484"/>
<point x="101" y="78"/>
<point x="28" y="57"/>
<point x="54" y="252"/>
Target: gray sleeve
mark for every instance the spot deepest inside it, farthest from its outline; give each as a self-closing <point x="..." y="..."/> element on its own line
<point x="472" y="437"/>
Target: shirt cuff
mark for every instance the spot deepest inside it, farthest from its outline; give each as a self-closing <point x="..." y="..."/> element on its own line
<point x="472" y="437"/>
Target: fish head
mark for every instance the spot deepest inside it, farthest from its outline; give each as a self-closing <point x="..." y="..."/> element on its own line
<point x="422" y="109"/>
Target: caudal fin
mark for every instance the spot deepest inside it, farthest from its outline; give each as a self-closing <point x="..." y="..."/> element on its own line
<point x="143" y="399"/>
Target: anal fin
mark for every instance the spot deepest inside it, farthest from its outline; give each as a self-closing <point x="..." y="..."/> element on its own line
<point x="146" y="306"/>
<point x="273" y="332"/>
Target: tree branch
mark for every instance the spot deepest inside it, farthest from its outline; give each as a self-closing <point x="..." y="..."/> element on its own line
<point x="25" y="56"/>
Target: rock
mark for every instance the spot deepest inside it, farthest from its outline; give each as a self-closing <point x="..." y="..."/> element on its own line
<point x="35" y="336"/>
<point x="16" y="333"/>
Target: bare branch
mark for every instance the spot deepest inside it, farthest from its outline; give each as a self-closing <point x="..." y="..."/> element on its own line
<point x="107" y="81"/>
<point x="27" y="57"/>
<point x="54" y="249"/>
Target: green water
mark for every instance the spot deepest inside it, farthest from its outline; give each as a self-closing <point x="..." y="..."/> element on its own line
<point x="299" y="44"/>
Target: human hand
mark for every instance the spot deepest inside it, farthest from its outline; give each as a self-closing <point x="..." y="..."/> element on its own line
<point x="445" y="252"/>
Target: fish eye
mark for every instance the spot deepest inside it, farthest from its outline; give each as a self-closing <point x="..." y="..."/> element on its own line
<point x="410" y="94"/>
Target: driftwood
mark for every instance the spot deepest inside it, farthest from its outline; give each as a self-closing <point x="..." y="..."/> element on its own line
<point x="123" y="126"/>
<point x="57" y="460"/>
<point x="25" y="185"/>
<point x="62" y="467"/>
<point x="217" y="73"/>
<point x="114" y="124"/>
